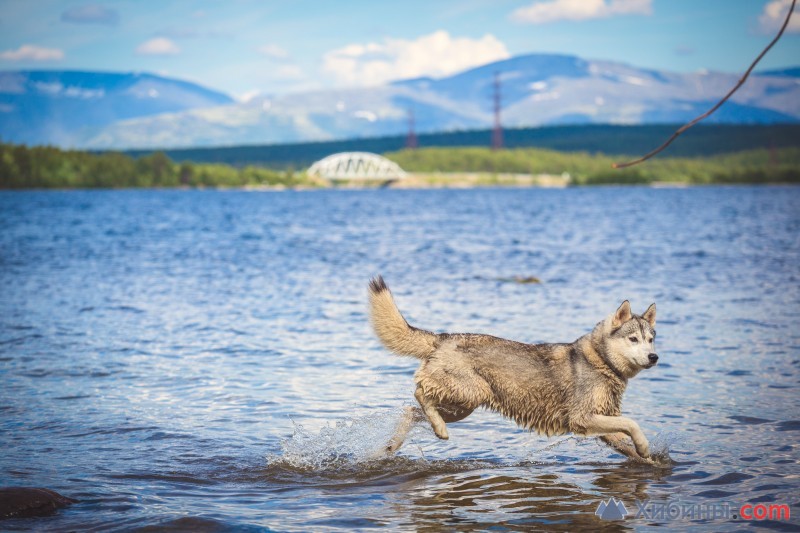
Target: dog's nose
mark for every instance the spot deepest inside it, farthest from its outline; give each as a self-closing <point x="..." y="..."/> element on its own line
<point x="653" y="358"/>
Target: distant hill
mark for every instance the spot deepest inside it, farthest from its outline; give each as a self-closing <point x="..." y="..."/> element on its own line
<point x="702" y="140"/>
<point x="127" y="111"/>
<point x="63" y="107"/>
<point x="537" y="90"/>
<point x="785" y="72"/>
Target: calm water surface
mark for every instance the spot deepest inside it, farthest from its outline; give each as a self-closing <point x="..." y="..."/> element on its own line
<point x="202" y="360"/>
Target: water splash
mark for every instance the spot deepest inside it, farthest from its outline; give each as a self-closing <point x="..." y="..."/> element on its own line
<point x="361" y="442"/>
<point x="659" y="448"/>
<point x="554" y="451"/>
<point x="341" y="444"/>
<point x="579" y="449"/>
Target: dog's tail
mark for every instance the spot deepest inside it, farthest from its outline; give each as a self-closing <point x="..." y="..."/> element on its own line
<point x="392" y="329"/>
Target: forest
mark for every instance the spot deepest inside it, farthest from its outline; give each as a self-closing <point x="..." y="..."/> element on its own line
<point x="47" y="167"/>
<point x="750" y="166"/>
<point x="702" y="140"/>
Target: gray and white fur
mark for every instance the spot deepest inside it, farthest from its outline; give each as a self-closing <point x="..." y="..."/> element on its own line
<point x="552" y="389"/>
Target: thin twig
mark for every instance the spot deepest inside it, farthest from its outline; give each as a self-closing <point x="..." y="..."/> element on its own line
<point x="718" y="104"/>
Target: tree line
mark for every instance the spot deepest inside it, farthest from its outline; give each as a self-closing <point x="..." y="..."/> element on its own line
<point x="703" y="140"/>
<point x="752" y="166"/>
<point x="22" y="167"/>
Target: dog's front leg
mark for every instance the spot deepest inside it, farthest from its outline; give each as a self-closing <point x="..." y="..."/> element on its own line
<point x="620" y="442"/>
<point x="603" y="425"/>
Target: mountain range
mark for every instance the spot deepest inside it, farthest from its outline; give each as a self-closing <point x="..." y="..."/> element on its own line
<point x="137" y="110"/>
<point x="70" y="108"/>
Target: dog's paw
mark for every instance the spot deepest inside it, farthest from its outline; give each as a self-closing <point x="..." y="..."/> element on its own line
<point x="643" y="449"/>
<point x="441" y="433"/>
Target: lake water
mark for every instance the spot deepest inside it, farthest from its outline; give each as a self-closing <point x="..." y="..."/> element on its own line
<point x="202" y="360"/>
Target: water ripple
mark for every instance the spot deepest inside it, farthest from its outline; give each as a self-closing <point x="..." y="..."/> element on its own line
<point x="202" y="360"/>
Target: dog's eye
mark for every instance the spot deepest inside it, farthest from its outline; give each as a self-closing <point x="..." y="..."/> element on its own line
<point x="651" y="340"/>
<point x="634" y="340"/>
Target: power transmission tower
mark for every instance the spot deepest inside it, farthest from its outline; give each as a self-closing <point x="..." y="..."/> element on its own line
<point x="497" y="131"/>
<point x="411" y="138"/>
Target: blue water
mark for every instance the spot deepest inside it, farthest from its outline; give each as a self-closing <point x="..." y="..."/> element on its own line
<point x="202" y="360"/>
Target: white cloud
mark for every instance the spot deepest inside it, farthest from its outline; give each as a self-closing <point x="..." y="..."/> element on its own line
<point x="774" y="13"/>
<point x="369" y="116"/>
<point x="29" y="52"/>
<point x="273" y="51"/>
<point x="158" y="46"/>
<point x="437" y="54"/>
<point x="542" y="12"/>
<point x="247" y="95"/>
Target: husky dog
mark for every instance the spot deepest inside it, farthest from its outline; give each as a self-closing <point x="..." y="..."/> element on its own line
<point x="550" y="388"/>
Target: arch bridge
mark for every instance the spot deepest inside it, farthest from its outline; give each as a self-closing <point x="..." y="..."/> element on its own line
<point x="356" y="166"/>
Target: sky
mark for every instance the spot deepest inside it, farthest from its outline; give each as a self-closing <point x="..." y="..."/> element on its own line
<point x="249" y="47"/>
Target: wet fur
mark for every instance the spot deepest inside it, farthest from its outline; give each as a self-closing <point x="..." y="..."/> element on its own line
<point x="548" y="388"/>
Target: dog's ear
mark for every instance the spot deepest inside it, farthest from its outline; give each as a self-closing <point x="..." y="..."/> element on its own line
<point x="622" y="315"/>
<point x="650" y="315"/>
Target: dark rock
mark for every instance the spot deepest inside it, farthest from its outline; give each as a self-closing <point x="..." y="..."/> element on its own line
<point x="25" y="502"/>
<point x="521" y="279"/>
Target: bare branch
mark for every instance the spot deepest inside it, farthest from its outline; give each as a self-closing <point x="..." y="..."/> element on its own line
<point x="718" y="104"/>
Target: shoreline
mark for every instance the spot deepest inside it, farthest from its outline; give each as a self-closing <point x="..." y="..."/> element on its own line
<point x="414" y="187"/>
<point x="430" y="168"/>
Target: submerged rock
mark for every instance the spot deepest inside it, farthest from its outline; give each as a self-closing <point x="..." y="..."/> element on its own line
<point x="521" y="279"/>
<point x="25" y="502"/>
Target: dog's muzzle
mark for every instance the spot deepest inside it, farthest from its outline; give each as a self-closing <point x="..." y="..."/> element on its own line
<point x="653" y="358"/>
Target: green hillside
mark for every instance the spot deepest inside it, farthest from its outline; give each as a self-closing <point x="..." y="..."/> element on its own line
<point x="702" y="140"/>
<point x="42" y="167"/>
<point x="751" y="166"/>
<point x="45" y="167"/>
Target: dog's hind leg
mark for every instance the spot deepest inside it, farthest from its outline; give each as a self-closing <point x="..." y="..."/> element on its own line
<point x="429" y="408"/>
<point x="411" y="415"/>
